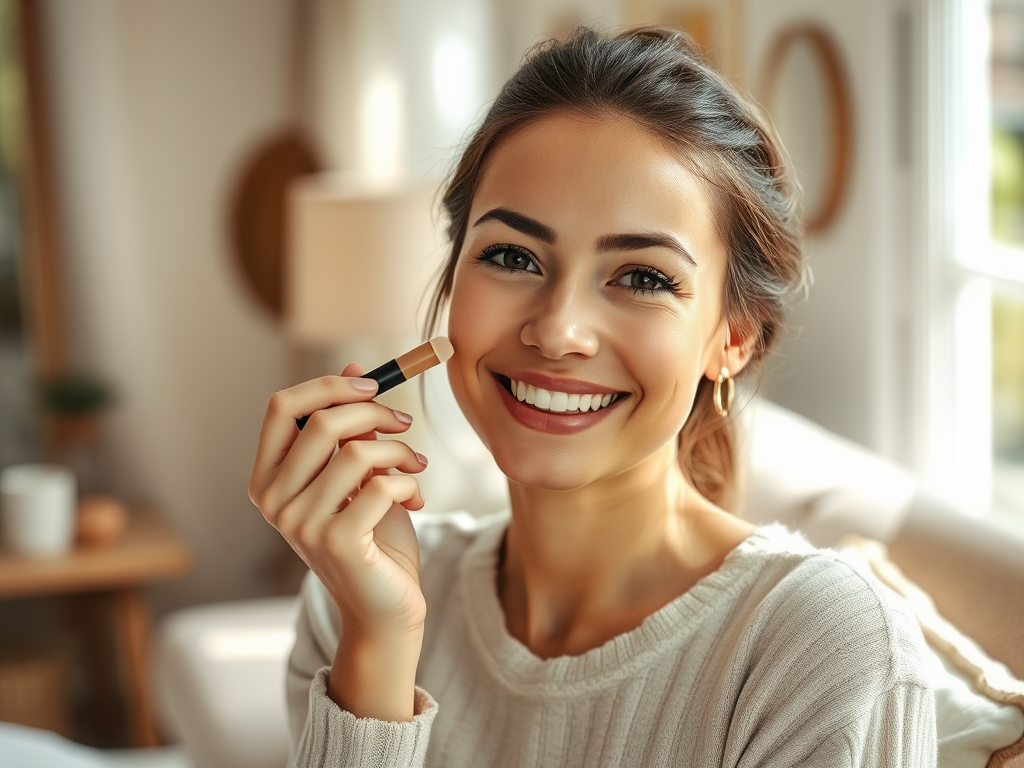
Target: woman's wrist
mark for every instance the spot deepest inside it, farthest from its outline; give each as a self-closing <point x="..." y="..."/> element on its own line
<point x="374" y="675"/>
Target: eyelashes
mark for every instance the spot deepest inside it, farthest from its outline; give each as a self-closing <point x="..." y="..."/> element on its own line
<point x="510" y="258"/>
<point x="641" y="279"/>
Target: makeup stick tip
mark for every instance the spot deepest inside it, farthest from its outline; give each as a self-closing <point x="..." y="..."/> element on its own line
<point x="442" y="348"/>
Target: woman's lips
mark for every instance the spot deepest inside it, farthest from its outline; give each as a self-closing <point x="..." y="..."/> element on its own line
<point x="557" y="383"/>
<point x="549" y="421"/>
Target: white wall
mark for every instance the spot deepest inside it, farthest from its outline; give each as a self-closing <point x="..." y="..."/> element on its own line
<point x="847" y="363"/>
<point x="155" y="105"/>
<point x="399" y="82"/>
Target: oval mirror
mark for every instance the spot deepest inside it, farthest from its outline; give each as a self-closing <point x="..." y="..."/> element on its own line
<point x="805" y="92"/>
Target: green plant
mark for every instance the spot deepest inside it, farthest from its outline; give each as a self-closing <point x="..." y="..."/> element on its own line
<point x="74" y="394"/>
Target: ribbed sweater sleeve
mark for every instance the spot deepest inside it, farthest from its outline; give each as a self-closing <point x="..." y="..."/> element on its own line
<point x="898" y="731"/>
<point x="833" y="676"/>
<point x="323" y="734"/>
<point x="336" y="738"/>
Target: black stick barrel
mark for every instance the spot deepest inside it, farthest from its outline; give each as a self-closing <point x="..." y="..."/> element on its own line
<point x="387" y="376"/>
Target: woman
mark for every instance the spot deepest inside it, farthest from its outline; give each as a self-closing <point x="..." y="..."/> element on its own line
<point x="623" y="239"/>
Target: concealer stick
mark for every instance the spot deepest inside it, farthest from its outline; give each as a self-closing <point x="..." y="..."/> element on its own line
<point x="404" y="367"/>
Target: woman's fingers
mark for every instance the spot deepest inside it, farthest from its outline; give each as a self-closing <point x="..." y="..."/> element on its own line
<point x="349" y="529"/>
<point x="355" y="463"/>
<point x="313" y="448"/>
<point x="353" y="369"/>
<point x="347" y="475"/>
<point x="279" y="433"/>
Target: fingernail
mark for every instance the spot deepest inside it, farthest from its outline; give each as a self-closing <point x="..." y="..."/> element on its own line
<point x="364" y="385"/>
<point x="405" y="418"/>
<point x="421" y="457"/>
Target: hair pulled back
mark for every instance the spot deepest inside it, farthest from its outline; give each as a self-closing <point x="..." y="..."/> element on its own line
<point x="657" y="77"/>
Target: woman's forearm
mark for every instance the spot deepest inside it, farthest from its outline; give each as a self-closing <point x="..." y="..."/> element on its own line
<point x="376" y="676"/>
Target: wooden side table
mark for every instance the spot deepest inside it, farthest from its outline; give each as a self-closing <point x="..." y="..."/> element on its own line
<point x="116" y="575"/>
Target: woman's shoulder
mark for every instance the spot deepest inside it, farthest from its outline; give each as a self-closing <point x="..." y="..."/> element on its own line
<point x="817" y="606"/>
<point x="822" y="650"/>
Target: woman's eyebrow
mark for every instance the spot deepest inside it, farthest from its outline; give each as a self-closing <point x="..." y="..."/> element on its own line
<point x="640" y="240"/>
<point x="625" y="242"/>
<point x="519" y="222"/>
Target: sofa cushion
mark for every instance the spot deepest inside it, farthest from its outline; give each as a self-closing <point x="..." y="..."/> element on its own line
<point x="219" y="681"/>
<point x="796" y="472"/>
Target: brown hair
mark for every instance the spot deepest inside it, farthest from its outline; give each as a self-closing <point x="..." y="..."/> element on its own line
<point x="657" y="77"/>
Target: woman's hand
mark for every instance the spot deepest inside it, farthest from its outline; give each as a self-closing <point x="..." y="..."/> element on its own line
<point x="329" y="492"/>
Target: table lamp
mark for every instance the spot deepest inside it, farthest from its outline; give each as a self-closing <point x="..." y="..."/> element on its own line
<point x="360" y="260"/>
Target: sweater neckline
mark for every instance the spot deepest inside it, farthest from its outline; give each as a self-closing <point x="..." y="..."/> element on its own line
<point x="623" y="656"/>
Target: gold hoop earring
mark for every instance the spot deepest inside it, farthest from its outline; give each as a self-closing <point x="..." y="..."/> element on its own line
<point x="716" y="396"/>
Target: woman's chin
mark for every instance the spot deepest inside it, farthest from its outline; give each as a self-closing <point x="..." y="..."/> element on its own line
<point x="568" y="474"/>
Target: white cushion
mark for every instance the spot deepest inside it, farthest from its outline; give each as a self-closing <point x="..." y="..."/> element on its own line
<point x="970" y="726"/>
<point x="798" y="473"/>
<point x="24" y="747"/>
<point x="219" y="677"/>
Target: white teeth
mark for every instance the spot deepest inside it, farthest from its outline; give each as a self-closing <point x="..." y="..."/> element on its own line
<point x="557" y="402"/>
<point x="543" y="400"/>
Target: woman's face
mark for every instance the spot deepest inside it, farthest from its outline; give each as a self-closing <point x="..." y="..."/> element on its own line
<point x="591" y="267"/>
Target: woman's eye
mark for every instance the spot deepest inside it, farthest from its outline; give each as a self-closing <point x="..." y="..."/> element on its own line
<point x="644" y="281"/>
<point x="509" y="257"/>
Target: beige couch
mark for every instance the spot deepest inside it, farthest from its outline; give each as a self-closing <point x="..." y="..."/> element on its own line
<point x="974" y="571"/>
<point x="825" y="486"/>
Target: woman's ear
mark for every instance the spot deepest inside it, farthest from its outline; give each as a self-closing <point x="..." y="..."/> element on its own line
<point x="733" y="355"/>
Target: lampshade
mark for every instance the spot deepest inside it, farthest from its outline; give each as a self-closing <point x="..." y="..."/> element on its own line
<point x="359" y="262"/>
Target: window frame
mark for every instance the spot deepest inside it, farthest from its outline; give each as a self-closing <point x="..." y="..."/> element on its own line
<point x="961" y="264"/>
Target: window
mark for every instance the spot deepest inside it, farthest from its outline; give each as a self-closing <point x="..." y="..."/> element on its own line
<point x="1006" y="62"/>
<point x="972" y="423"/>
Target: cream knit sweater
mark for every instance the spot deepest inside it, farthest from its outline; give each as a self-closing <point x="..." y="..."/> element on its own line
<point x="785" y="656"/>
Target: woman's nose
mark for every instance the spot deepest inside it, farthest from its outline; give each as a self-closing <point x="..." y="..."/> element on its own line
<point x="563" y="323"/>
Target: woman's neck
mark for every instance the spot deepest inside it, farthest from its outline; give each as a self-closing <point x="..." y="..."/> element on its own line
<point x="583" y="566"/>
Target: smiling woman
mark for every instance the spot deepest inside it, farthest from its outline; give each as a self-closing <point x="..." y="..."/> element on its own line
<point x="584" y="282"/>
<point x="622" y="246"/>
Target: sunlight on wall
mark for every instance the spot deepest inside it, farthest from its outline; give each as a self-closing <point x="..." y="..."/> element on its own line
<point x="972" y="484"/>
<point x="380" y="155"/>
<point x="454" y="88"/>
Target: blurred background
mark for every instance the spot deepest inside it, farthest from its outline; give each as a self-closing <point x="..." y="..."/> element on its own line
<point x="161" y="164"/>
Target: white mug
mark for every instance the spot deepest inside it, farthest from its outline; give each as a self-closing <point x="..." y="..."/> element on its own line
<point x="37" y="509"/>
